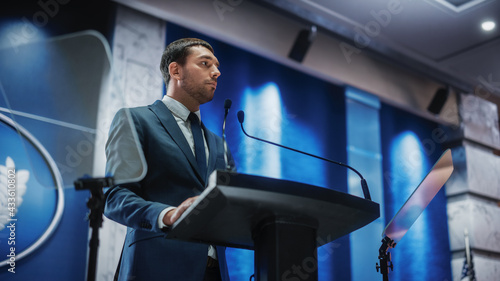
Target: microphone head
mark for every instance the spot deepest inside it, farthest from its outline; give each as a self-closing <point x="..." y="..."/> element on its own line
<point x="227" y="103"/>
<point x="241" y="116"/>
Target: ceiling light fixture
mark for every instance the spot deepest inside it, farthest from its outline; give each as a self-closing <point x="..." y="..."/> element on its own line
<point x="488" y="25"/>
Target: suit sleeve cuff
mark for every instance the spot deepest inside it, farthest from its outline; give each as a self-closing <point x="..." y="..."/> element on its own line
<point x="161" y="225"/>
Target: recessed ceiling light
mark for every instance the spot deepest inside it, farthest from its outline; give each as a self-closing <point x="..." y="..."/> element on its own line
<point x="488" y="25"/>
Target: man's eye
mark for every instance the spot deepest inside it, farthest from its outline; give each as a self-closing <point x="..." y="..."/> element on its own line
<point x="204" y="63"/>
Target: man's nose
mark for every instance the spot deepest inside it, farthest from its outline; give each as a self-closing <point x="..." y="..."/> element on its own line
<point x="215" y="72"/>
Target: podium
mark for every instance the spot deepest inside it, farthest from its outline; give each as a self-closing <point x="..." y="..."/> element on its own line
<point x="282" y="221"/>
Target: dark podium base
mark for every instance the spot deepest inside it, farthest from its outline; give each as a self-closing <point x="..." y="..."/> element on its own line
<point x="285" y="248"/>
<point x="283" y="221"/>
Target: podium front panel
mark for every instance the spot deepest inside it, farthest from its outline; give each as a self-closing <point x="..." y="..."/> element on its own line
<point x="233" y="204"/>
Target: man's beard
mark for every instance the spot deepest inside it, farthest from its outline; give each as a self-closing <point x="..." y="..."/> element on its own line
<point x="197" y="91"/>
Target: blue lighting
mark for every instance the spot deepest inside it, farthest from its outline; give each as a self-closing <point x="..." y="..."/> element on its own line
<point x="263" y="159"/>
<point x="270" y="120"/>
<point x="409" y="165"/>
<point x="14" y="33"/>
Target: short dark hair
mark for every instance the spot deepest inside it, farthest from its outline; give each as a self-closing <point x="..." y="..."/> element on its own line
<point x="177" y="51"/>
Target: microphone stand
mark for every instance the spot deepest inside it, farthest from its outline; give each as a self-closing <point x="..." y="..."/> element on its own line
<point x="384" y="257"/>
<point x="227" y="105"/>
<point x="96" y="206"/>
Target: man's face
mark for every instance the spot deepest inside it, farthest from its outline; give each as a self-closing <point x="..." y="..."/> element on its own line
<point x="199" y="74"/>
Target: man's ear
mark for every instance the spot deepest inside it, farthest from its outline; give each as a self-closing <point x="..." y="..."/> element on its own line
<point x="174" y="70"/>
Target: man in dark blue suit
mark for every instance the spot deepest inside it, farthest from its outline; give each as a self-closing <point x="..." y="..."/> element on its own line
<point x="174" y="173"/>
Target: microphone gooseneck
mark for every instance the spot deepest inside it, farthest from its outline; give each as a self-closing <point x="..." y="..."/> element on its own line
<point x="227" y="105"/>
<point x="364" y="184"/>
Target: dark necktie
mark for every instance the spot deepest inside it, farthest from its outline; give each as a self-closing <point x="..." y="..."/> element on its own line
<point x="199" y="144"/>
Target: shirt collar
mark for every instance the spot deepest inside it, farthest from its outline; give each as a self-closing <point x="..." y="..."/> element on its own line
<point x="178" y="109"/>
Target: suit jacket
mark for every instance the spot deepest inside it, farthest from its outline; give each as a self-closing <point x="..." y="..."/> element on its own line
<point x="170" y="176"/>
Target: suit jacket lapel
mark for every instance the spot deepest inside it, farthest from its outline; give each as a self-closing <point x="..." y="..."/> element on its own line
<point x="170" y="125"/>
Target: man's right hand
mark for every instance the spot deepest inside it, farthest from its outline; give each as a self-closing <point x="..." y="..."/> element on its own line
<point x="173" y="215"/>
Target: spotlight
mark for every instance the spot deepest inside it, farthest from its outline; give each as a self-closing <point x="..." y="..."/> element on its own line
<point x="438" y="101"/>
<point x="488" y="25"/>
<point x="302" y="43"/>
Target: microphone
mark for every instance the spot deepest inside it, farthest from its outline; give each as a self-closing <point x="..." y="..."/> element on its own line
<point x="364" y="185"/>
<point x="227" y="105"/>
